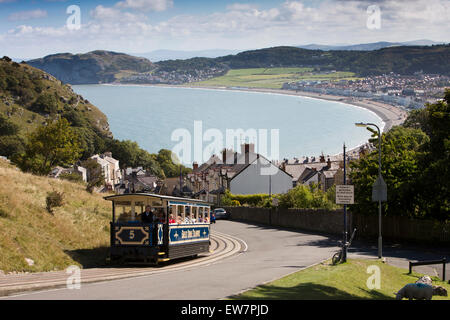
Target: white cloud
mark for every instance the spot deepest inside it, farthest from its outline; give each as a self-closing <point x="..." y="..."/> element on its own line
<point x="27" y="15"/>
<point x="241" y="6"/>
<point x="239" y="26"/>
<point x="101" y="14"/>
<point x="146" y="5"/>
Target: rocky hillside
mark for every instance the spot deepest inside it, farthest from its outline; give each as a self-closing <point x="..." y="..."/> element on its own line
<point x="92" y="67"/>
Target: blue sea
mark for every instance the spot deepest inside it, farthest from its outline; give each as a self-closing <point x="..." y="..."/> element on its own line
<point x="150" y="114"/>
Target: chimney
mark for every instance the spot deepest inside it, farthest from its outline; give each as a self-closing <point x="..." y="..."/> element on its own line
<point x="224" y="156"/>
<point x="247" y="155"/>
<point x="322" y="159"/>
<point x="329" y="163"/>
<point x="195" y="166"/>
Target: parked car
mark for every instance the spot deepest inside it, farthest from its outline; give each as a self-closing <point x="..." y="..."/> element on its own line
<point x="221" y="213"/>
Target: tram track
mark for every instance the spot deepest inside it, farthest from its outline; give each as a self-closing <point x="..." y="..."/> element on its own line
<point x="222" y="246"/>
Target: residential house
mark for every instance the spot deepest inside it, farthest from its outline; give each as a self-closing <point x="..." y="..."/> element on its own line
<point x="110" y="168"/>
<point x="241" y="173"/>
<point x="321" y="173"/>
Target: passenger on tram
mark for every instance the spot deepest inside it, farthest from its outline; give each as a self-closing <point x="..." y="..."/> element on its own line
<point x="193" y="220"/>
<point x="124" y="217"/>
<point x="147" y="216"/>
<point x="171" y="219"/>
<point x="160" y="216"/>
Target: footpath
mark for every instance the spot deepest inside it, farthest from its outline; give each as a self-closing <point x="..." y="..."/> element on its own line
<point x="400" y="255"/>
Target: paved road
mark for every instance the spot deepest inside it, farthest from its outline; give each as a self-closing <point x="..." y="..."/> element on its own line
<point x="271" y="253"/>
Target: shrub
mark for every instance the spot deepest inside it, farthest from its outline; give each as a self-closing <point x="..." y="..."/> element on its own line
<point x="251" y="200"/>
<point x="73" y="177"/>
<point x="45" y="103"/>
<point x="54" y="199"/>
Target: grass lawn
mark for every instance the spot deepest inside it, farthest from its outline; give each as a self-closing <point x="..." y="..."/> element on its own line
<point x="344" y="281"/>
<point x="272" y="78"/>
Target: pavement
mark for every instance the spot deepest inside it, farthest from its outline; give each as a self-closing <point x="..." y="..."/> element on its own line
<point x="399" y="256"/>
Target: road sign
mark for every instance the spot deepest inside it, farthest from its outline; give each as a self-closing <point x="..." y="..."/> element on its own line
<point x="345" y="194"/>
<point x="379" y="190"/>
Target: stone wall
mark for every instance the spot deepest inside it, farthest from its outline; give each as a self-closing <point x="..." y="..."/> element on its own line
<point x="395" y="228"/>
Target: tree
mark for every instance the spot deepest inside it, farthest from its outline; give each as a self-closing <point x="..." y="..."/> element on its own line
<point x="125" y="151"/>
<point x="95" y="177"/>
<point x="401" y="149"/>
<point x="170" y="164"/>
<point x="434" y="182"/>
<point x="49" y="146"/>
<point x="10" y="142"/>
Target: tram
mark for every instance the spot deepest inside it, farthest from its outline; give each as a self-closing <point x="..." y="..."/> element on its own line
<point x="156" y="228"/>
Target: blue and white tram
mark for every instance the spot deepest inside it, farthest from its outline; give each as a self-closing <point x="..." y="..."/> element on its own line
<point x="177" y="227"/>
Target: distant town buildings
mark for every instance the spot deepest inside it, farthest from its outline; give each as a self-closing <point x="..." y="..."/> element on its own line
<point x="174" y="77"/>
<point x="407" y="91"/>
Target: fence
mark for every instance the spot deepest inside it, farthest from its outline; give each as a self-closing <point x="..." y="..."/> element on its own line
<point x="332" y="222"/>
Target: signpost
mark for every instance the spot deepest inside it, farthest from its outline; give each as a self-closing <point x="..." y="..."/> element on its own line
<point x="379" y="190"/>
<point x="345" y="196"/>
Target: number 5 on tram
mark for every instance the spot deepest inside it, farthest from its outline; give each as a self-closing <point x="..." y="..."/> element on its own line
<point x="155" y="228"/>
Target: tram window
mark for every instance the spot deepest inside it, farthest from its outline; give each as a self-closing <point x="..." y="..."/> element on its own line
<point x="180" y="212"/>
<point x="172" y="214"/>
<point x="195" y="214"/>
<point x="200" y="214"/>
<point x="207" y="214"/>
<point x="124" y="214"/>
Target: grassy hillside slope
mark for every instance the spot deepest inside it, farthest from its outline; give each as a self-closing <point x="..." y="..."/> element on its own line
<point x="76" y="234"/>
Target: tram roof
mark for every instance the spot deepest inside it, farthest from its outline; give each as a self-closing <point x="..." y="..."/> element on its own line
<point x="134" y="196"/>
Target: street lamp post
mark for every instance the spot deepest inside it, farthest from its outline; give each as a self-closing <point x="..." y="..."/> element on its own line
<point x="380" y="239"/>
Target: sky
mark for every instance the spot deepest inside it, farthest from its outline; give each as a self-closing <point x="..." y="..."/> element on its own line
<point x="31" y="29"/>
